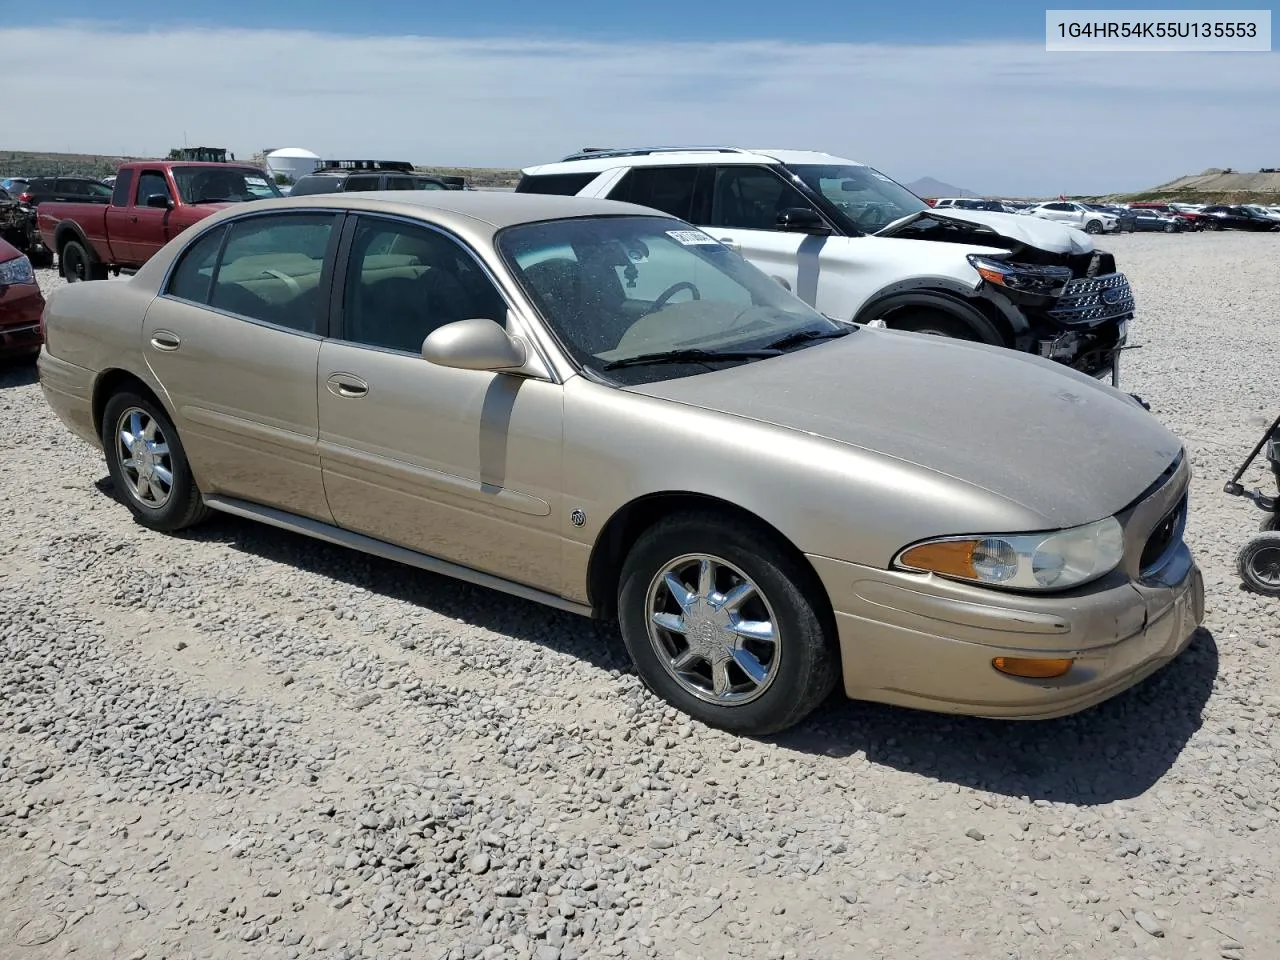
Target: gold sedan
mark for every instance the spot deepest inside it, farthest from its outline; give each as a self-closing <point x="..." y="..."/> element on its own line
<point x="602" y="408"/>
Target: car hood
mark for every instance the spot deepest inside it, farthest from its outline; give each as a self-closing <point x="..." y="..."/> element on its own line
<point x="1054" y="441"/>
<point x="1028" y="230"/>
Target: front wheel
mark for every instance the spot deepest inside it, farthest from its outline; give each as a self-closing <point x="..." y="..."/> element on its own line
<point x="722" y="623"/>
<point x="1169" y="228"/>
<point x="1258" y="564"/>
<point x="148" y="464"/>
<point x="1093" y="226"/>
<point x="934" y="323"/>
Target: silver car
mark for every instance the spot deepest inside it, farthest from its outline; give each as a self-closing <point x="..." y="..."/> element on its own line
<point x="588" y="404"/>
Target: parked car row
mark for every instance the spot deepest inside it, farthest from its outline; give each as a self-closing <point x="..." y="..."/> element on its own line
<point x="1099" y="218"/>
<point x="491" y="386"/>
<point x="884" y="254"/>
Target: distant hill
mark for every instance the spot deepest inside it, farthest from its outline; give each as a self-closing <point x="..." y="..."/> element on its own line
<point x="1216" y="186"/>
<point x="929" y="187"/>
<point x="35" y="163"/>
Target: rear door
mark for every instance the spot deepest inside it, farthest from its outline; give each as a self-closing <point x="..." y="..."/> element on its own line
<point x="234" y="340"/>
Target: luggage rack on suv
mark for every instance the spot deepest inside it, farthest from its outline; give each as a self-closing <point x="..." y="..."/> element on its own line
<point x="401" y="166"/>
<point x="589" y="153"/>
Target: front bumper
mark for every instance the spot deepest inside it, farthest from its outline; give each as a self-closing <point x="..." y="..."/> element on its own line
<point x="923" y="641"/>
<point x="927" y="643"/>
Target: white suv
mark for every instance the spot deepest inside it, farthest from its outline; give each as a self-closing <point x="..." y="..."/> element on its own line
<point x="858" y="246"/>
<point x="1076" y="214"/>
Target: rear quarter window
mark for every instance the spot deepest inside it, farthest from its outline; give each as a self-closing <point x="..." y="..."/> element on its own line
<point x="557" y="184"/>
<point x="123" y="186"/>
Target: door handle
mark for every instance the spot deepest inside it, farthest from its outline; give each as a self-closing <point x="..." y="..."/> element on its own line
<point x="164" y="340"/>
<point x="731" y="244"/>
<point x="347" y="386"/>
<point x="134" y="218"/>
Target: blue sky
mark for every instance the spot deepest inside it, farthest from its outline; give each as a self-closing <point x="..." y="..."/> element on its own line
<point x="924" y="21"/>
<point x="962" y="92"/>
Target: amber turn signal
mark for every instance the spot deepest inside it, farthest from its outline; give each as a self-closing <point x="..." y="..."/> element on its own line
<point x="1032" y="669"/>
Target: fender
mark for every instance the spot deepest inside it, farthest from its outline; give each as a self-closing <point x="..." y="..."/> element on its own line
<point x="947" y="296"/>
<point x="68" y="230"/>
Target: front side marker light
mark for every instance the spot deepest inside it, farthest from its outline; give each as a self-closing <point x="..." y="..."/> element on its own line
<point x="1032" y="669"/>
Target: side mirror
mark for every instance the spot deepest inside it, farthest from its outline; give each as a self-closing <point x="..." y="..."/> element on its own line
<point x="802" y="220"/>
<point x="159" y="201"/>
<point x="478" y="344"/>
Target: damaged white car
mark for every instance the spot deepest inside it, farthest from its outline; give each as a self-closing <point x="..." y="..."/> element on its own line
<point x="858" y="246"/>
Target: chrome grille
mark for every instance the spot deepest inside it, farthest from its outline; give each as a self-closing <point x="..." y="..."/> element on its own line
<point x="1094" y="299"/>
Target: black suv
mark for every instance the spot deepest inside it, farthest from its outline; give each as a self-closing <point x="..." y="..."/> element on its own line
<point x="347" y="176"/>
<point x="63" y="189"/>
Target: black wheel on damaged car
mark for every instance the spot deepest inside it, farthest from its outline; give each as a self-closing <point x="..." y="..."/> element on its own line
<point x="148" y="464"/>
<point x="1258" y="563"/>
<point x="937" y="323"/>
<point x="721" y="622"/>
<point x="78" y="263"/>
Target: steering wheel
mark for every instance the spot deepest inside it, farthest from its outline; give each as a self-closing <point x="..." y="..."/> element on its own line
<point x="672" y="290"/>
<point x="872" y="214"/>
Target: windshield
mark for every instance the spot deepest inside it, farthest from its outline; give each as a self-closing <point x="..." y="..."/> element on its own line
<point x="616" y="288"/>
<point x="865" y="198"/>
<point x="221" y="183"/>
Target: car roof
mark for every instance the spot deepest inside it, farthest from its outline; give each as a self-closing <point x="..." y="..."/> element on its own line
<point x="495" y="210"/>
<point x="667" y="156"/>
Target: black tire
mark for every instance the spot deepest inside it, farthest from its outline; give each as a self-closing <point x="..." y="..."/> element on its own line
<point x="935" y="323"/>
<point x="42" y="258"/>
<point x="1169" y="228"/>
<point x="801" y="668"/>
<point x="1093" y="226"/>
<point x="1270" y="522"/>
<point x="1258" y="564"/>
<point x="78" y="263"/>
<point x="183" y="506"/>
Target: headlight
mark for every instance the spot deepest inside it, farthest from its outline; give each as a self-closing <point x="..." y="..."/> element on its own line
<point x="1025" y="561"/>
<point x="16" y="271"/>
<point x="1022" y="277"/>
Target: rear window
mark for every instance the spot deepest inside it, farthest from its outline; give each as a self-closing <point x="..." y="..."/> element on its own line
<point x="559" y="184"/>
<point x="307" y="185"/>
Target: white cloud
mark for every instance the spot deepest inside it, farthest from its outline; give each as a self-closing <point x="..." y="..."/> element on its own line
<point x="998" y="117"/>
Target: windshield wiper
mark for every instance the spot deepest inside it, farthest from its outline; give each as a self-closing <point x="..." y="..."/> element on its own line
<point x="689" y="356"/>
<point x="805" y="336"/>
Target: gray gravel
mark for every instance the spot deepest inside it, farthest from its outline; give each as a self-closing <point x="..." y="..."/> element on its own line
<point x="239" y="743"/>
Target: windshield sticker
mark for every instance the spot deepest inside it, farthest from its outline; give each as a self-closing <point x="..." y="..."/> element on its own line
<point x="691" y="238"/>
<point x="255" y="181"/>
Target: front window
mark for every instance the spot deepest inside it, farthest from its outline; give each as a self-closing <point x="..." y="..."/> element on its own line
<point x="222" y="183"/>
<point x="865" y="198"/>
<point x="618" y="290"/>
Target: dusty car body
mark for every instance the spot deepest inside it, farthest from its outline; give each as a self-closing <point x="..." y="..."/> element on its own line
<point x="599" y="407"/>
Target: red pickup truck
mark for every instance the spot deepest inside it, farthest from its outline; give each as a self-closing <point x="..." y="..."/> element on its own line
<point x="152" y="202"/>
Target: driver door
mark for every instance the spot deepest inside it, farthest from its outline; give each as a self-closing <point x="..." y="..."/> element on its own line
<point x="462" y="465"/>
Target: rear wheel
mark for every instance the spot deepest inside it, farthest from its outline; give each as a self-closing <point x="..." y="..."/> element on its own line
<point x="1259" y="564"/>
<point x="723" y="623"/>
<point x="148" y="464"/>
<point x="78" y="263"/>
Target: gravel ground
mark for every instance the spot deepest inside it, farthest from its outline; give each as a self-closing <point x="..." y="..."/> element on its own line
<point x="242" y="743"/>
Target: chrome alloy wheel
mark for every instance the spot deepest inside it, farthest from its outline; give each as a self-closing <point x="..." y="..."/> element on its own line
<point x="713" y="629"/>
<point x="143" y="450"/>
